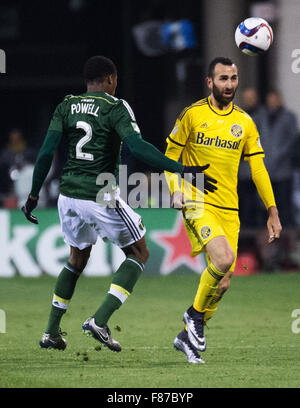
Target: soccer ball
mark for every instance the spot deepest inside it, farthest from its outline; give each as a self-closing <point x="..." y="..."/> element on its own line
<point x="254" y="36"/>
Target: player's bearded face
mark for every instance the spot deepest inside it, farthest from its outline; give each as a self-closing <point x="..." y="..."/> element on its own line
<point x="224" y="83"/>
<point x="223" y="94"/>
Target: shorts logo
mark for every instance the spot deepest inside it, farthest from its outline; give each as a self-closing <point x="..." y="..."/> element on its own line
<point x="205" y="232"/>
<point x="236" y="130"/>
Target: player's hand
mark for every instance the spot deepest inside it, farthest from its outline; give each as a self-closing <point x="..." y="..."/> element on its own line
<point x="209" y="182"/>
<point x="29" y="206"/>
<point x="178" y="200"/>
<point x="273" y="224"/>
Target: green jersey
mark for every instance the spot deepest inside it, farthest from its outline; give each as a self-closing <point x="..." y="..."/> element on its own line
<point x="94" y="124"/>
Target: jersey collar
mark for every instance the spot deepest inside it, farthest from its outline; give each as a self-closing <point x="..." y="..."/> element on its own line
<point x="94" y="92"/>
<point x="219" y="111"/>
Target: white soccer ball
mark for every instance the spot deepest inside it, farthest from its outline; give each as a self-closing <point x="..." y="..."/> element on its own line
<point x="254" y="36"/>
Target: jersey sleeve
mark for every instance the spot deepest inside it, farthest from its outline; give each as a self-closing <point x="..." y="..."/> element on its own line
<point x="181" y="130"/>
<point x="46" y="153"/>
<point x="176" y="143"/>
<point x="57" y="119"/>
<point x="123" y="120"/>
<point x="252" y="145"/>
<point x="262" y="181"/>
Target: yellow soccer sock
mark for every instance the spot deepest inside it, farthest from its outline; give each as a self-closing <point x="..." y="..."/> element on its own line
<point x="212" y="306"/>
<point x="209" y="282"/>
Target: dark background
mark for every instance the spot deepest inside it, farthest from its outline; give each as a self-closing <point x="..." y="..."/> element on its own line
<point x="47" y="43"/>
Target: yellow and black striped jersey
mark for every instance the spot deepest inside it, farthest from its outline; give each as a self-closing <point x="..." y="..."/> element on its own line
<point x="203" y="134"/>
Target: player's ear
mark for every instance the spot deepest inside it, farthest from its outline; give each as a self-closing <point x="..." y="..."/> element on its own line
<point x="209" y="82"/>
<point x="109" y="79"/>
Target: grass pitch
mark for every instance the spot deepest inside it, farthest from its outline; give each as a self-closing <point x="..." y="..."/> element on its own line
<point x="250" y="339"/>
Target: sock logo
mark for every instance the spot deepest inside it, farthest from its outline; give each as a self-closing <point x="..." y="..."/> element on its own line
<point x="59" y="302"/>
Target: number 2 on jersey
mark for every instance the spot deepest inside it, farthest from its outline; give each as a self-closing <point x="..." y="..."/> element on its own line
<point x="85" y="139"/>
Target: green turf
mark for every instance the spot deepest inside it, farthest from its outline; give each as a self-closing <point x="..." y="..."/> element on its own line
<point x="250" y="341"/>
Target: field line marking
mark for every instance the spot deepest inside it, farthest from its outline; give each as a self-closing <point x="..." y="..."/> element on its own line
<point x="214" y="347"/>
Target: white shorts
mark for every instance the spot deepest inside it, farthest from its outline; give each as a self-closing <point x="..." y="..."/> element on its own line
<point x="83" y="221"/>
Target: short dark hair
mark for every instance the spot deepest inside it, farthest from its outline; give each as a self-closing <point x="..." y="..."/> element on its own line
<point x="215" y="61"/>
<point x="97" y="68"/>
<point x="274" y="91"/>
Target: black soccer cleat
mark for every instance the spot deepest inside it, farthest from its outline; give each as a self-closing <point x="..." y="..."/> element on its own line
<point x="195" y="325"/>
<point x="182" y="343"/>
<point x="56" y="342"/>
<point x="101" y="333"/>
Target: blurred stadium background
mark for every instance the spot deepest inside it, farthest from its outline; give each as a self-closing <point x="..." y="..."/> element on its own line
<point x="162" y="49"/>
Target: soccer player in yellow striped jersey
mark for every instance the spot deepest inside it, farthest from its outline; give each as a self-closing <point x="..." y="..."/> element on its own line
<point x="216" y="132"/>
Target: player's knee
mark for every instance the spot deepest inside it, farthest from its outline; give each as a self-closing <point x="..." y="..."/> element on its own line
<point x="138" y="250"/>
<point x="79" y="259"/>
<point x="225" y="260"/>
<point x="78" y="264"/>
<point x="142" y="255"/>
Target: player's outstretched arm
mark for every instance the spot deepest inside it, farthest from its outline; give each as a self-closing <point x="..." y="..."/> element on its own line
<point x="149" y="154"/>
<point x="263" y="185"/>
<point x="41" y="169"/>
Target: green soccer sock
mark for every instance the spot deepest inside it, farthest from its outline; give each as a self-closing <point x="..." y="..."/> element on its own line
<point x="63" y="293"/>
<point x="121" y="287"/>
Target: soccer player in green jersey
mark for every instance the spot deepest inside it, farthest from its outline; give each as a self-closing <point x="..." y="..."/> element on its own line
<point x="94" y="124"/>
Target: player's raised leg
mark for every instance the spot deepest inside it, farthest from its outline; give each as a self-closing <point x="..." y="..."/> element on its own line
<point x="217" y="296"/>
<point x="63" y="292"/>
<point x="221" y="258"/>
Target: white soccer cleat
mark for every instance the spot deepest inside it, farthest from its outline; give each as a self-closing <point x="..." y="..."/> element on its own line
<point x="182" y="343"/>
<point x="195" y="325"/>
<point x="102" y="334"/>
<point x="52" y="342"/>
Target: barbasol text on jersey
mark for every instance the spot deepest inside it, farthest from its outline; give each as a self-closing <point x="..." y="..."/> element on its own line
<point x="201" y="139"/>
